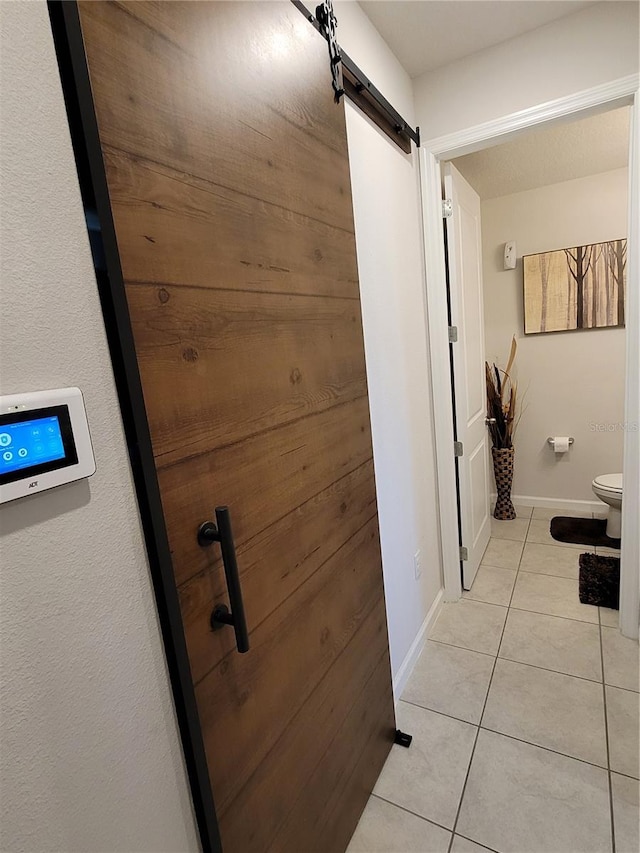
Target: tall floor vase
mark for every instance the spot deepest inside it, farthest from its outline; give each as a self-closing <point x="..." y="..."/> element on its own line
<point x="503" y="470"/>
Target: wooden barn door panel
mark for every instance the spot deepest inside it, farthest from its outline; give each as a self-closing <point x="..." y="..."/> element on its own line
<point x="226" y="162"/>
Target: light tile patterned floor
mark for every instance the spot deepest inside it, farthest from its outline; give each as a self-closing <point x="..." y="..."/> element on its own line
<point x="524" y="712"/>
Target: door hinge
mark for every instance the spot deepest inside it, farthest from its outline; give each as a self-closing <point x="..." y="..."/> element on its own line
<point x="447" y="208"/>
<point x="453" y="334"/>
<point x="458" y="448"/>
<point x="464" y="553"/>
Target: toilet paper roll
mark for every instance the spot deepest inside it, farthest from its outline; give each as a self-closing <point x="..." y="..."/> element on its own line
<point x="560" y="443"/>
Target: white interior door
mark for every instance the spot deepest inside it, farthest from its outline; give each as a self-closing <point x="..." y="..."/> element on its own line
<point x="465" y="280"/>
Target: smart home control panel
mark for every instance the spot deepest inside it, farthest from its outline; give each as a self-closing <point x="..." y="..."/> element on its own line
<point x="44" y="442"/>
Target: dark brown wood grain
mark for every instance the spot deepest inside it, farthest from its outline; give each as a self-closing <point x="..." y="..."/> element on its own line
<point x="298" y="544"/>
<point x="257" y="695"/>
<point x="332" y="765"/>
<point x="347" y="771"/>
<point x="230" y="98"/>
<point x="226" y="162"/>
<point x="212" y="344"/>
<point x="261" y="479"/>
<point x="178" y="213"/>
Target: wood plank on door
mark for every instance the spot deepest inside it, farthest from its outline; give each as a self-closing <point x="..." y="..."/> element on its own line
<point x="154" y="203"/>
<point x="214" y="344"/>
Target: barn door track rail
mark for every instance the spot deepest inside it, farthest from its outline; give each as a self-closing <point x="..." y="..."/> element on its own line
<point x="348" y="79"/>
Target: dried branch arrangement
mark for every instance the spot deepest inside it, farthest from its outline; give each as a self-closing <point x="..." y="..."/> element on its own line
<point x="502" y="399"/>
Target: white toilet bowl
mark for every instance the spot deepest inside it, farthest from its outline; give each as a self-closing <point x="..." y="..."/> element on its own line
<point x="608" y="487"/>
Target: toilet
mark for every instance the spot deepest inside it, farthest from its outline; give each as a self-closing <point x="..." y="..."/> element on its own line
<point x="608" y="487"/>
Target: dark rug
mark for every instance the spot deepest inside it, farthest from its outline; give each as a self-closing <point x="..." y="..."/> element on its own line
<point x="599" y="580"/>
<point x="582" y="531"/>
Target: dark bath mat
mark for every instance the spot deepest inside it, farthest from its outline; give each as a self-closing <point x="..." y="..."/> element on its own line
<point x="582" y="531"/>
<point x="599" y="580"/>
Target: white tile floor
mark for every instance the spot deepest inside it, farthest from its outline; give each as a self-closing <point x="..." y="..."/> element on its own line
<point x="524" y="712"/>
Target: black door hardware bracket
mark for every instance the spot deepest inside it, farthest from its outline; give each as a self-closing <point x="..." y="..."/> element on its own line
<point x="403" y="739"/>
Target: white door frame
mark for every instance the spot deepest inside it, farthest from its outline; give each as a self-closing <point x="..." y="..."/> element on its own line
<point x="621" y="92"/>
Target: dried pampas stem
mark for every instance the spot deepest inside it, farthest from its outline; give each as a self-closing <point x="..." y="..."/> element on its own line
<point x="502" y="398"/>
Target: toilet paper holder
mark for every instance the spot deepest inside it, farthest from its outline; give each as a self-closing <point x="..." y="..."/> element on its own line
<point x="551" y="440"/>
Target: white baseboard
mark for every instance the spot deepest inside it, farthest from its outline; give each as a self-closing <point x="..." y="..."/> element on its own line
<point x="558" y="503"/>
<point x="408" y="664"/>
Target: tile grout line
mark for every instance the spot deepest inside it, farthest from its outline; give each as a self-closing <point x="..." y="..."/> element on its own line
<point x="617" y="687"/>
<point x="464" y="785"/>
<point x="496" y="657"/>
<point x="620" y="773"/>
<point x="473" y="748"/>
<point x="542" y="613"/>
<point x="513" y="589"/>
<point x="517" y="571"/>
<point x="463" y="648"/>
<point x="504" y="626"/>
<point x="524" y="545"/>
<point x="523" y="610"/>
<point x="441" y="713"/>
<point x="556" y="671"/>
<point x="513" y="737"/>
<point x="484" y="704"/>
<point x="545" y="748"/>
<point x="428" y="819"/>
<point x="606" y="736"/>
<point x="479" y="726"/>
<point x="526" y="571"/>
<point x="486" y="698"/>
<point x="410" y="811"/>
<point x="484" y="846"/>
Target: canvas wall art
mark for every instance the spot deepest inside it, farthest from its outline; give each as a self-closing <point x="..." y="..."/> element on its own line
<point x="578" y="288"/>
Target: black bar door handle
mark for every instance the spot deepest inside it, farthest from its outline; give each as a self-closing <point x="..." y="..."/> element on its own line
<point x="208" y="532"/>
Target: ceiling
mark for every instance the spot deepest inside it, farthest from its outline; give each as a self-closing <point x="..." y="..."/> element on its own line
<point x="425" y="34"/>
<point x="596" y="144"/>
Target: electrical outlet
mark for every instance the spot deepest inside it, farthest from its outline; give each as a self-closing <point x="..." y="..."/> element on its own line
<point x="417" y="564"/>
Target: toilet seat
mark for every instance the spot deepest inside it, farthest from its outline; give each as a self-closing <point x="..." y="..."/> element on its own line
<point x="608" y="487"/>
<point x="609" y="483"/>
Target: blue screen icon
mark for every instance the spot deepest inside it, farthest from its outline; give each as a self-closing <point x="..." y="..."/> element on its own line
<point x="27" y="443"/>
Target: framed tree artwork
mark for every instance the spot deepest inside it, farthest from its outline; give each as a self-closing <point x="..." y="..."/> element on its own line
<point x="578" y="288"/>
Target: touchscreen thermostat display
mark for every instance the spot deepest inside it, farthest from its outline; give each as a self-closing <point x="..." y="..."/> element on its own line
<point x="44" y="442"/>
<point x="36" y="442"/>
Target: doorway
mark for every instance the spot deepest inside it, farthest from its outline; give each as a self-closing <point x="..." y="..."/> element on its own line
<point x="474" y="139"/>
<point x="543" y="193"/>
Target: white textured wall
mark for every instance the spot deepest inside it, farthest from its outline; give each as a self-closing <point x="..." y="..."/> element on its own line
<point x="89" y="750"/>
<point x="388" y="237"/>
<point x="364" y="44"/>
<point x="586" y="49"/>
<point x="572" y="380"/>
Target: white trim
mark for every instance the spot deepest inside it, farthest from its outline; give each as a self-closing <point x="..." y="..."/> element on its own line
<point x="557" y="503"/>
<point x="411" y="658"/>
<point x="630" y="555"/>
<point x="608" y="95"/>
<point x="580" y="104"/>
<point x="438" y="326"/>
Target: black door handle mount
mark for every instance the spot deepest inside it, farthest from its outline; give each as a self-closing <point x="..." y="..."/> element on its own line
<point x="208" y="533"/>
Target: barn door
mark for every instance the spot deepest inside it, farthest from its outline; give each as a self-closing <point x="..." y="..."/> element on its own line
<point x="226" y="163"/>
